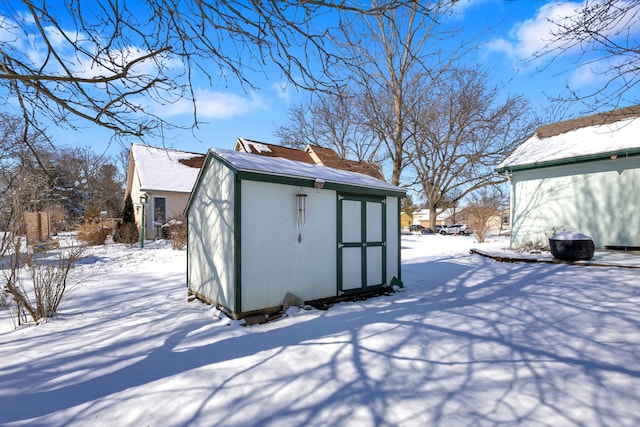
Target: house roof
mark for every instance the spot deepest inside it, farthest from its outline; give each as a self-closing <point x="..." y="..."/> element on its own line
<point x="599" y="136"/>
<point x="271" y="150"/>
<point x="314" y="154"/>
<point x="165" y="169"/>
<point x="287" y="168"/>
<point x="328" y="157"/>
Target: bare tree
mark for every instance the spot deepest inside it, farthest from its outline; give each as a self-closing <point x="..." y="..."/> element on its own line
<point x="21" y="186"/>
<point x="462" y="129"/>
<point x="606" y="34"/>
<point x="38" y="283"/>
<point x="391" y="55"/>
<point x="333" y="121"/>
<point x="107" y="62"/>
<point x="95" y="176"/>
<point x="485" y="210"/>
<point x="62" y="181"/>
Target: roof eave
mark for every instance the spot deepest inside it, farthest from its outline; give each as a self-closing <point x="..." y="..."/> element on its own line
<point x="308" y="182"/>
<point x="612" y="155"/>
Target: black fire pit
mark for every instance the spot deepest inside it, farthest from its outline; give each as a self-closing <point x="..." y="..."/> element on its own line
<point x="571" y="246"/>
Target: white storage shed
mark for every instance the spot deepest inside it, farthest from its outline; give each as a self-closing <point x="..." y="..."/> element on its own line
<point x="261" y="227"/>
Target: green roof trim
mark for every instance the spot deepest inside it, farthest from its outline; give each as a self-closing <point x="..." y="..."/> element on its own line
<point x="572" y="160"/>
<point x="307" y="182"/>
<point x="288" y="180"/>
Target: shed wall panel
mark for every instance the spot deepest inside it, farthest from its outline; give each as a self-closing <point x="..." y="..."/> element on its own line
<point x="211" y="236"/>
<point x="599" y="199"/>
<point x="393" y="239"/>
<point x="273" y="261"/>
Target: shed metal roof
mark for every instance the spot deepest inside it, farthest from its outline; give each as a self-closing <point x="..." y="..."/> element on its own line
<point x="286" y="168"/>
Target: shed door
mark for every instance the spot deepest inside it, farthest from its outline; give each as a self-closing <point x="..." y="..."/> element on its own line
<point x="361" y="243"/>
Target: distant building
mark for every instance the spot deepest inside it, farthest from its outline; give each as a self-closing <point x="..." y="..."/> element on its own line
<point x="166" y="177"/>
<point x="406" y="220"/>
<point x="422" y="217"/>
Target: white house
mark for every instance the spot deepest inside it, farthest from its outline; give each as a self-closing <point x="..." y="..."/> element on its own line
<point x="580" y="175"/>
<point x="260" y="227"/>
<point x="164" y="178"/>
<point x="423" y="216"/>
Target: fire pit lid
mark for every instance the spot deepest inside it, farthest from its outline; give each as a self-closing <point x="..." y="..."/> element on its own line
<point x="569" y="235"/>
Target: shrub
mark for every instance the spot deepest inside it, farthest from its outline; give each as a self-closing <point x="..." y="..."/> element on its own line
<point x="91" y="214"/>
<point x="126" y="232"/>
<point x="94" y="234"/>
<point x="177" y="233"/>
<point x="38" y="293"/>
<point x="128" y="214"/>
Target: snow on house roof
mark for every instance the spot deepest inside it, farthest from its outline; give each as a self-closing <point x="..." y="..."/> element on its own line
<point x="584" y="138"/>
<point x="165" y="169"/>
<point x="295" y="169"/>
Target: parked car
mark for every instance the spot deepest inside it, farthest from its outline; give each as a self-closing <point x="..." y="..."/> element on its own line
<point x="417" y="228"/>
<point x="456" y="229"/>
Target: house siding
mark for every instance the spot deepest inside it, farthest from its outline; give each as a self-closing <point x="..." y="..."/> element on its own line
<point x="596" y="198"/>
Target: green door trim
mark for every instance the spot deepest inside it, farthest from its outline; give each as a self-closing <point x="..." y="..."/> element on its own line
<point x="364" y="244"/>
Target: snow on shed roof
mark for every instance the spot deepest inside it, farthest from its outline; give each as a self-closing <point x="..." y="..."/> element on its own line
<point x="165" y="169"/>
<point x="602" y="134"/>
<point x="290" y="168"/>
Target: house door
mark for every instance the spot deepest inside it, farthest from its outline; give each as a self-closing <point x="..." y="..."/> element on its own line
<point x="159" y="215"/>
<point x="361" y="243"/>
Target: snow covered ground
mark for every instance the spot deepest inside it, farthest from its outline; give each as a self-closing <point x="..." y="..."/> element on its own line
<point x="471" y="342"/>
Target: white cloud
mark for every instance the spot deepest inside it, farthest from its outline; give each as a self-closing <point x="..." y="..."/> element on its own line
<point x="461" y="6"/>
<point x="215" y="105"/>
<point x="283" y="91"/>
<point x="9" y="30"/>
<point x="58" y="39"/>
<point x="583" y="76"/>
<point x="597" y="73"/>
<point x="532" y="35"/>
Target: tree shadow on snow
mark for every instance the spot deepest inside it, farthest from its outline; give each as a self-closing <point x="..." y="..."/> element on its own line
<point x="471" y="342"/>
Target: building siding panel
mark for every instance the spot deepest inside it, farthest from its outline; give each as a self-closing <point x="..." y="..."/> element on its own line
<point x="598" y="198"/>
<point x="273" y="261"/>
<point x="211" y="237"/>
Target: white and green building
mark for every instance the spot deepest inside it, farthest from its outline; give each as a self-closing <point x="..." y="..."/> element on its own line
<point x="261" y="227"/>
<point x="579" y="175"/>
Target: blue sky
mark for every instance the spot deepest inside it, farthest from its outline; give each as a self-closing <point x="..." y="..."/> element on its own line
<point x="511" y="32"/>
